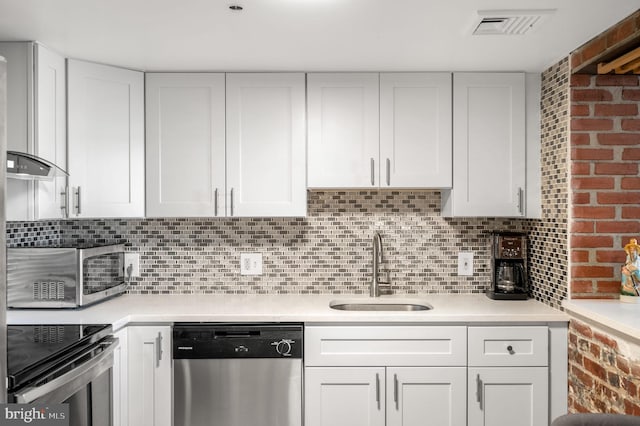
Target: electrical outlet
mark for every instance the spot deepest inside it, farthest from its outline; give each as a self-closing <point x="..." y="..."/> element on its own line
<point x="250" y="263"/>
<point x="465" y="263"/>
<point x="131" y="265"/>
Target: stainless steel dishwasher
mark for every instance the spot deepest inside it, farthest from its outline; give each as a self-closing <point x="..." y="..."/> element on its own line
<point x="237" y="374"/>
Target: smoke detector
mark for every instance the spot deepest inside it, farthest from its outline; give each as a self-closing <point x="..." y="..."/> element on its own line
<point x="510" y="22"/>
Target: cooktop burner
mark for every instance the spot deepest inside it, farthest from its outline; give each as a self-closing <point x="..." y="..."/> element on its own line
<point x="34" y="349"/>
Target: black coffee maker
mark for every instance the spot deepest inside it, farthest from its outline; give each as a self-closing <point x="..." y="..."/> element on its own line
<point x="510" y="280"/>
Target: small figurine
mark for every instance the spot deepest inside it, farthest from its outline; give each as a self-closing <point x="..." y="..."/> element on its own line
<point x="630" y="289"/>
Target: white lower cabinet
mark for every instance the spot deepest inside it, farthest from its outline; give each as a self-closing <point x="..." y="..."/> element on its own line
<point x="395" y="396"/>
<point x="120" y="380"/>
<point x="149" y="376"/>
<point x="508" y="375"/>
<point x="418" y="396"/>
<point x="505" y="396"/>
<point x="344" y="396"/>
<point x="385" y="375"/>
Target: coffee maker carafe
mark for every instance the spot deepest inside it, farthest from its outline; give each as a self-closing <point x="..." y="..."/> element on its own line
<point x="510" y="280"/>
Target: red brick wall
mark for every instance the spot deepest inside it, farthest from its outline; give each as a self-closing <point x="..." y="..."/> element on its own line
<point x="617" y="37"/>
<point x="604" y="182"/>
<point x="603" y="378"/>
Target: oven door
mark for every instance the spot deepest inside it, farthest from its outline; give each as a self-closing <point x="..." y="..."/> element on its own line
<point x="86" y="386"/>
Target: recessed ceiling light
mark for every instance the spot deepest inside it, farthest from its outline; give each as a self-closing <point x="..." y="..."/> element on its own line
<point x="236" y="7"/>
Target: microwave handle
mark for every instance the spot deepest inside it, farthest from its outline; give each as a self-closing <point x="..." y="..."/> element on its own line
<point x="99" y="251"/>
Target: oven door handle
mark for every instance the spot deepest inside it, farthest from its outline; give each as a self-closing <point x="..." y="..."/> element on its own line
<point x="61" y="388"/>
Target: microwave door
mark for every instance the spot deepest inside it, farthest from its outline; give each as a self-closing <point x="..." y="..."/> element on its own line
<point x="101" y="272"/>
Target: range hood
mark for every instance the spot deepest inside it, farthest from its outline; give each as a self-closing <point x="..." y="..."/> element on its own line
<point x="21" y="165"/>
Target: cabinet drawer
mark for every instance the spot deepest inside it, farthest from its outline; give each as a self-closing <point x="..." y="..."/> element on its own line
<point x="385" y="345"/>
<point x="508" y="346"/>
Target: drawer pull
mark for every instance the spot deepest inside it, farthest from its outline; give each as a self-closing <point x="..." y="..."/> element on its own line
<point x="378" y="390"/>
<point x="510" y="350"/>
<point x="479" y="390"/>
<point x="395" y="391"/>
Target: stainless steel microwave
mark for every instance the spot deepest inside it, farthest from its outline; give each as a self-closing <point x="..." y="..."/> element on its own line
<point x="64" y="277"/>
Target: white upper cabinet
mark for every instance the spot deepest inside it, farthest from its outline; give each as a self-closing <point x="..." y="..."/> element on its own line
<point x="343" y="130"/>
<point x="51" y="130"/>
<point x="36" y="117"/>
<point x="489" y="146"/>
<point x="415" y="130"/>
<point x="106" y="140"/>
<point x="370" y="130"/>
<point x="266" y="144"/>
<point x="185" y="144"/>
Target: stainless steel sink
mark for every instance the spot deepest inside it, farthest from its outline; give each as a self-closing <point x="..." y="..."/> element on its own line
<point x="380" y="305"/>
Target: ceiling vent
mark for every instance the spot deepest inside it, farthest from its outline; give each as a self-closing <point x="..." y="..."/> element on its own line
<point x="510" y="22"/>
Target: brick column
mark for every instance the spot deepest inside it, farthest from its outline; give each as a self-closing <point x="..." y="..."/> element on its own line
<point x="605" y="149"/>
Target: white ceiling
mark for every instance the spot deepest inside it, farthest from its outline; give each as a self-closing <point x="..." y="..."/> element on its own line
<point x="306" y="35"/>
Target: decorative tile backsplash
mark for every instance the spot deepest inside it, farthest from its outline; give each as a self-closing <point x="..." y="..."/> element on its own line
<point x="329" y="251"/>
<point x="29" y="234"/>
<point x="549" y="235"/>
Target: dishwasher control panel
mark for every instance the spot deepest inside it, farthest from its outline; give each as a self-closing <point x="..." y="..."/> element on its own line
<point x="218" y="341"/>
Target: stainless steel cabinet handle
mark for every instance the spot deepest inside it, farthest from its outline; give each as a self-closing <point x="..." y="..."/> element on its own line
<point x="378" y="390"/>
<point x="395" y="391"/>
<point x="158" y="349"/>
<point x="64" y="200"/>
<point x="479" y="390"/>
<point x="231" y="197"/>
<point x="78" y="201"/>
<point x="520" y="200"/>
<point x="215" y="202"/>
<point x="373" y="175"/>
<point x="388" y="172"/>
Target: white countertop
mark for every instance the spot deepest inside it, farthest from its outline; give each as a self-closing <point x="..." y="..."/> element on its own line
<point x="122" y="310"/>
<point x="619" y="316"/>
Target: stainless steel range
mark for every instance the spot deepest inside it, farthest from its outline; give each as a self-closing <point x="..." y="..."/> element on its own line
<point x="237" y="375"/>
<point x="63" y="364"/>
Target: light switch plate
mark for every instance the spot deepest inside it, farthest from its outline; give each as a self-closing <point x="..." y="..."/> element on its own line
<point x="250" y="263"/>
<point x="465" y="263"/>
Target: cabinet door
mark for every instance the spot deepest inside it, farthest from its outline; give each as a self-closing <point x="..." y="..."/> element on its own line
<point x="426" y="395"/>
<point x="489" y="142"/>
<point x="19" y="127"/>
<point x="343" y="130"/>
<point x="344" y="396"/>
<point x="50" y="130"/>
<point x="415" y="130"/>
<point x="185" y="146"/>
<point x="508" y="396"/>
<point x="106" y="140"/>
<point x="119" y="377"/>
<point x="266" y="145"/>
<point x="150" y="376"/>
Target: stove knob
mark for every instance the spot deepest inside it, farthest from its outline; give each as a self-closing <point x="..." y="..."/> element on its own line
<point x="283" y="347"/>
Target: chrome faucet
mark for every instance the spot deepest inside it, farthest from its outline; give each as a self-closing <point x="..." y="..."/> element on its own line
<point x="377" y="286"/>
